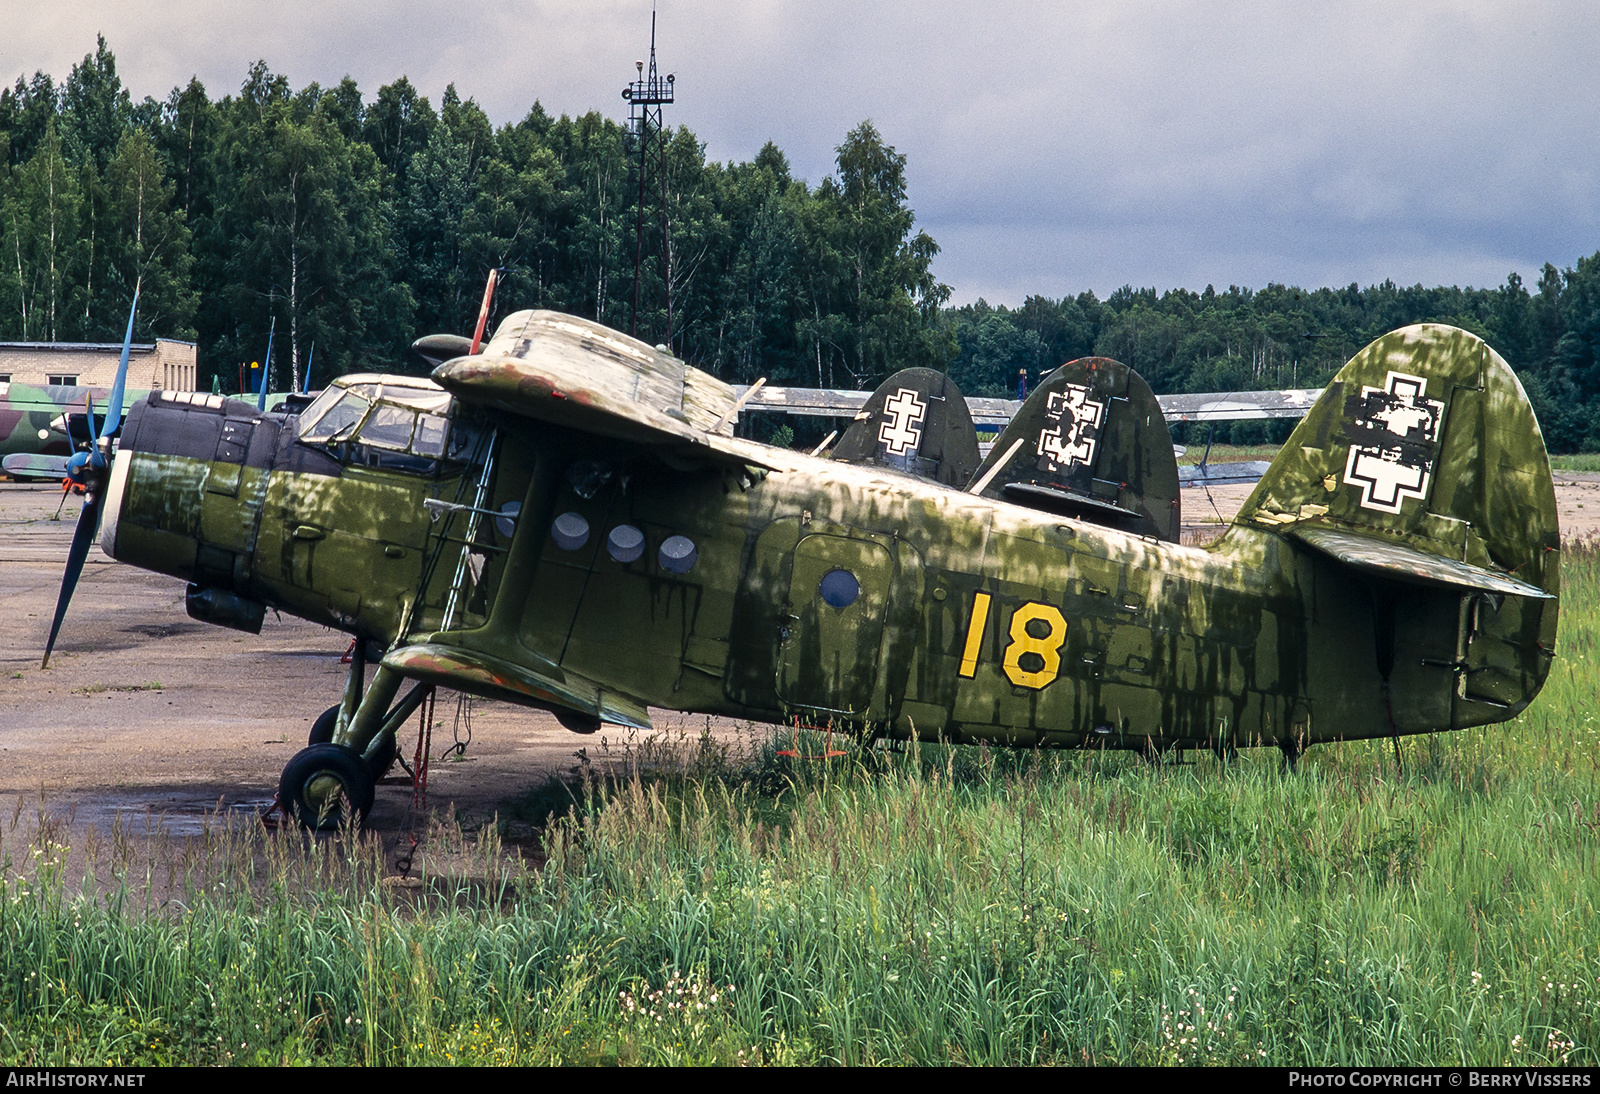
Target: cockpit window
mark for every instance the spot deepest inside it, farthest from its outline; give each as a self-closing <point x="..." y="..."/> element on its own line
<point x="337" y="420"/>
<point x="318" y="407"/>
<point x="431" y="429"/>
<point x="401" y="427"/>
<point x="429" y="399"/>
<point x="389" y="427"/>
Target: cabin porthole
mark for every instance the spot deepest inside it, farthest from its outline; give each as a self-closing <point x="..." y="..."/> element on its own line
<point x="625" y="543"/>
<point x="570" y="531"/>
<point x="506" y="522"/>
<point x="839" y="588"/>
<point x="678" y="554"/>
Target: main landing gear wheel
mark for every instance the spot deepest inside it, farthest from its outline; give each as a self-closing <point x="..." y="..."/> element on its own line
<point x="378" y="764"/>
<point x="323" y="781"/>
<point x="322" y="729"/>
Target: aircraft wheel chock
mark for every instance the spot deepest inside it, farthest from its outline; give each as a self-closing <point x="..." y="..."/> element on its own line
<point x="321" y="782"/>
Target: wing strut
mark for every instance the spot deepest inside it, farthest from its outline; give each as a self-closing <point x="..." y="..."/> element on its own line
<point x="474" y="517"/>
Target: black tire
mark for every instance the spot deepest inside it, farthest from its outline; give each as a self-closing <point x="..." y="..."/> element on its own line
<point x="322" y="733"/>
<point x="344" y="766"/>
<point x="322" y="729"/>
<point x="379" y="763"/>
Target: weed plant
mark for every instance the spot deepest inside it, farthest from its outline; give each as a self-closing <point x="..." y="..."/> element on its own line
<point x="1194" y="452"/>
<point x="1581" y="461"/>
<point x="930" y="905"/>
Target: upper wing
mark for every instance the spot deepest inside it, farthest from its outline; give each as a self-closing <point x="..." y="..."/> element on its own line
<point x="572" y="372"/>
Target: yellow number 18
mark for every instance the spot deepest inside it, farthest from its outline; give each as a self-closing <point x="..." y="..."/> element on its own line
<point x="1024" y="640"/>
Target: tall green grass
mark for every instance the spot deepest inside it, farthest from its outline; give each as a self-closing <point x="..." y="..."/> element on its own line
<point x="933" y="905"/>
<point x="1581" y="461"/>
<point x="1228" y="453"/>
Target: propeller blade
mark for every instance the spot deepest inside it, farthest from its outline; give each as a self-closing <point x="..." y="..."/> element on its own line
<point x="82" y="539"/>
<point x="483" y="312"/>
<point x="266" y="366"/>
<point x="114" y="411"/>
<point x="88" y="407"/>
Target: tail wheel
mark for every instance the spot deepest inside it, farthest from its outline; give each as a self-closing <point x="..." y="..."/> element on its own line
<point x="321" y="783"/>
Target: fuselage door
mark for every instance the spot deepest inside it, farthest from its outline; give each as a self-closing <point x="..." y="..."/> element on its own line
<point x="833" y="631"/>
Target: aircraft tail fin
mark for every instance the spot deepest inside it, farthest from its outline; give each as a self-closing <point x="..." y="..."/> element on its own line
<point x="918" y="422"/>
<point x="1424" y="442"/>
<point x="1422" y="467"/>
<point x="1091" y="443"/>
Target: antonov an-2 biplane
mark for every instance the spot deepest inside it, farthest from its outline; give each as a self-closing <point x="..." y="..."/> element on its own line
<point x="564" y="520"/>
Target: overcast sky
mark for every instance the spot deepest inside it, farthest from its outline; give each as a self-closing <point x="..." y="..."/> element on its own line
<point x="1053" y="147"/>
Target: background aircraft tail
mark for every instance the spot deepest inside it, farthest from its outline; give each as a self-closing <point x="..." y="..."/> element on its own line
<point x="1091" y="443"/>
<point x="917" y="422"/>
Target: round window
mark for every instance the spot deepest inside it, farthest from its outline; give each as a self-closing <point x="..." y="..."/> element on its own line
<point x="625" y="543"/>
<point x="570" y="531"/>
<point x="839" y="588"/>
<point x="678" y="554"/>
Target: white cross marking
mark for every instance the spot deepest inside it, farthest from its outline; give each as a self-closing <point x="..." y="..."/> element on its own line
<point x="1073" y="441"/>
<point x="903" y="433"/>
<point x="1383" y="479"/>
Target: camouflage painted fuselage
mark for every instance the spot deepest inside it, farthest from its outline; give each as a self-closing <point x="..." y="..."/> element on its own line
<point x="30" y="416"/>
<point x="968" y="618"/>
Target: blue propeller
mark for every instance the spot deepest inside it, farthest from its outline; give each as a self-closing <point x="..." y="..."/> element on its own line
<point x="92" y="470"/>
<point x="266" y="365"/>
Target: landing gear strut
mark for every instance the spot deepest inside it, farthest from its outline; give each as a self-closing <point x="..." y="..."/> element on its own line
<point x="377" y="758"/>
<point x="352" y="746"/>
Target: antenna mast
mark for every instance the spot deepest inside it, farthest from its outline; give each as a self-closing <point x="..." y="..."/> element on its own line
<point x="645" y="98"/>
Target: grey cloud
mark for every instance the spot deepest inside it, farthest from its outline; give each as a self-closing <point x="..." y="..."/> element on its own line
<point x="1052" y="147"/>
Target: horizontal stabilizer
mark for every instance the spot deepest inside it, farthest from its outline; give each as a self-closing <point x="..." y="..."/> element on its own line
<point x="24" y="465"/>
<point x="1044" y="496"/>
<point x="480" y="674"/>
<point x="1396" y="560"/>
<point x="1222" y="474"/>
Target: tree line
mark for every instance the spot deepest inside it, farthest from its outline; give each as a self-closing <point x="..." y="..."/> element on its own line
<point x="350" y="225"/>
<point x="1287" y="337"/>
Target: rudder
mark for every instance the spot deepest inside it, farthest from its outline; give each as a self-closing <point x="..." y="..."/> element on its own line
<point x="916" y="422"/>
